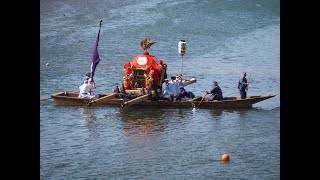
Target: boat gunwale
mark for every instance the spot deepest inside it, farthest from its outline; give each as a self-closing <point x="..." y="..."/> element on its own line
<point x="65" y="99"/>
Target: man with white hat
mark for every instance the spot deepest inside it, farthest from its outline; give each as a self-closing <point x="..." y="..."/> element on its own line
<point x="84" y="88"/>
<point x="165" y="93"/>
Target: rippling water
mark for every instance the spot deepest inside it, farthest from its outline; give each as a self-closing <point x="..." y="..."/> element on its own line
<point x="224" y="39"/>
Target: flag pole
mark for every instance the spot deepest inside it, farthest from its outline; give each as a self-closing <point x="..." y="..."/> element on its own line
<point x="95" y="57"/>
<point x="181" y="65"/>
<point x="182" y="47"/>
<point x="248" y="83"/>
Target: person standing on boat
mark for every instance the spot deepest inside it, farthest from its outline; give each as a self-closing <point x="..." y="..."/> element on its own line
<point x="242" y="85"/>
<point x="216" y="92"/>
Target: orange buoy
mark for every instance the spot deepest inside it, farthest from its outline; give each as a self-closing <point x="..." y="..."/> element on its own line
<point x="225" y="157"/>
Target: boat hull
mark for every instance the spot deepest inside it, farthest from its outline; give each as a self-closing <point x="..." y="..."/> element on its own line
<point x="68" y="98"/>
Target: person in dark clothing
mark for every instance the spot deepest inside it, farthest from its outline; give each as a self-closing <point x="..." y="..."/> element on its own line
<point x="117" y="90"/>
<point x="216" y="92"/>
<point x="242" y="85"/>
<point x="120" y="92"/>
<point x="184" y="93"/>
<point x="123" y="90"/>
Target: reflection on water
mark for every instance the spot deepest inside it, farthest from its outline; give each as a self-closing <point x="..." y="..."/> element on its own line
<point x="238" y="112"/>
<point x="224" y="168"/>
<point x="89" y="114"/>
<point x="152" y="121"/>
<point x="142" y="121"/>
<point x="216" y="113"/>
<point x="89" y="122"/>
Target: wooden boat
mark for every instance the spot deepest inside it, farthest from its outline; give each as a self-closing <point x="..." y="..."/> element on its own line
<point x="145" y="72"/>
<point x="71" y="98"/>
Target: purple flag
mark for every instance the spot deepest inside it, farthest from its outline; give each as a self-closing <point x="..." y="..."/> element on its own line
<point x="95" y="56"/>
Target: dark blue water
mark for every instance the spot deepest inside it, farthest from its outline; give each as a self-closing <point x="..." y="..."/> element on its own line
<point x="224" y="39"/>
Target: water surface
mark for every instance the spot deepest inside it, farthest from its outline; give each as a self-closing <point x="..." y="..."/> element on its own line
<point x="224" y="39"/>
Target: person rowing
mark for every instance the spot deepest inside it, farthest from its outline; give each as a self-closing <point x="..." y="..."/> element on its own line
<point x="216" y="92"/>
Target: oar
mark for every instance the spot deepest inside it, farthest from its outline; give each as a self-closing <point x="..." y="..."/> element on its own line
<point x="100" y="100"/>
<point x="135" y="101"/>
<point x="248" y="83"/>
<point x="201" y="101"/>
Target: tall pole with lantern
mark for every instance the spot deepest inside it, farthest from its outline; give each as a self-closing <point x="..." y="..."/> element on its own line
<point x="182" y="47"/>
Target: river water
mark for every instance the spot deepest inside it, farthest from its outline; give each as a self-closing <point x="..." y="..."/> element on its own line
<point x="224" y="38"/>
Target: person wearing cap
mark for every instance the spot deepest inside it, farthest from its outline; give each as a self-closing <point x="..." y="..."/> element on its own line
<point x="185" y="94"/>
<point x="216" y="92"/>
<point x="165" y="93"/>
<point x="242" y="85"/>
